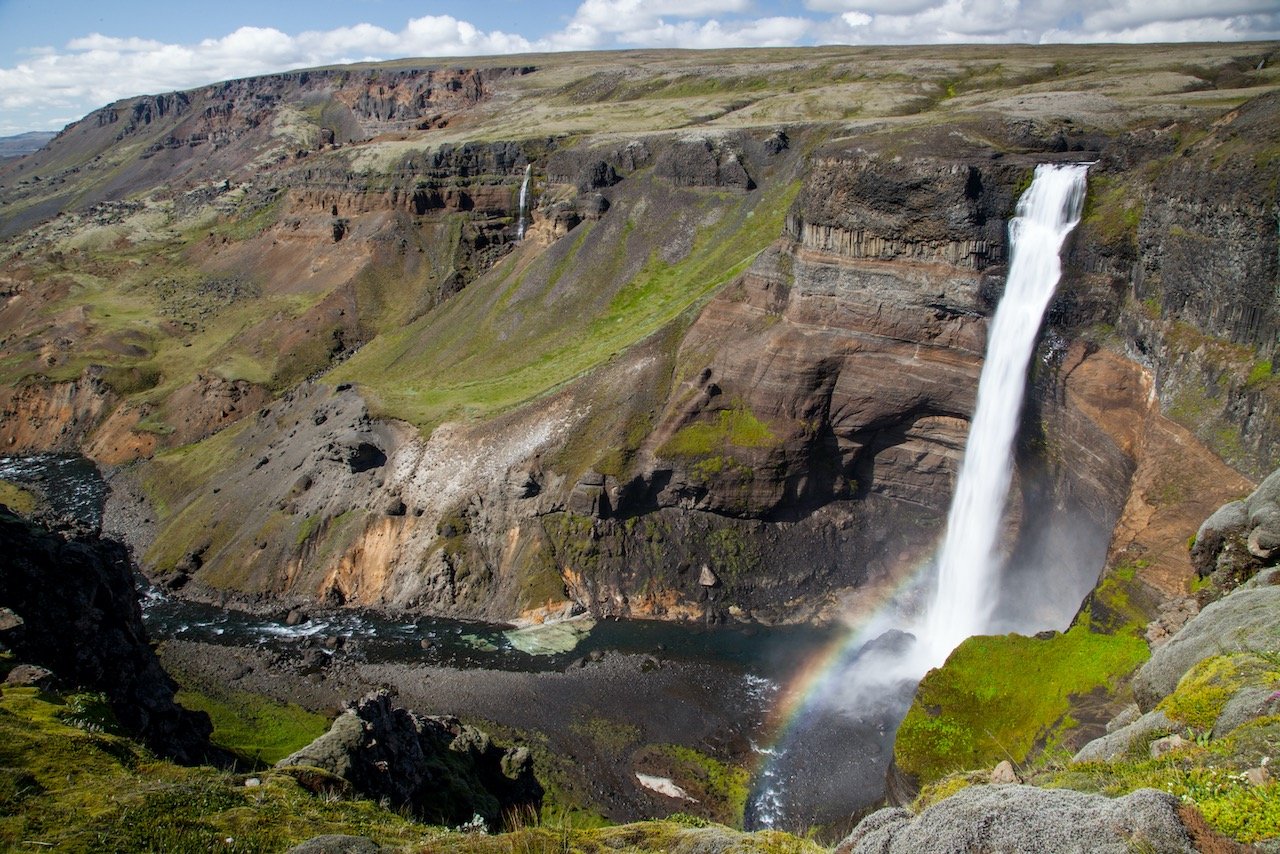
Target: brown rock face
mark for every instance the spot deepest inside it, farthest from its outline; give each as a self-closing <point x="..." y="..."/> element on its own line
<point x="855" y="344"/>
<point x="57" y="417"/>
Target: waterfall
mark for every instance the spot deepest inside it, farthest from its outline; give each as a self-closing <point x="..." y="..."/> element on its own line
<point x="524" y="195"/>
<point x="838" y="741"/>
<point x="969" y="561"/>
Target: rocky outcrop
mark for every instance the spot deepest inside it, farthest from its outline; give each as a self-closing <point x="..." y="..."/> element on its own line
<point x="1025" y="820"/>
<point x="703" y="162"/>
<point x="1241" y="537"/>
<point x="1245" y="620"/>
<point x="53" y="417"/>
<point x="79" y="618"/>
<point x="1124" y="738"/>
<point x="438" y="768"/>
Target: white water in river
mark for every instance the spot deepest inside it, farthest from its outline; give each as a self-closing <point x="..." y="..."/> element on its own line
<point x="524" y="195"/>
<point x="969" y="561"/>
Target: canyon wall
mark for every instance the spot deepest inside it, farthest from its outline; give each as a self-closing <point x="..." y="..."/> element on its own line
<point x="726" y="375"/>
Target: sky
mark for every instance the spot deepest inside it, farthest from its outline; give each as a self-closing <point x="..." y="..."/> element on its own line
<point x="59" y="59"/>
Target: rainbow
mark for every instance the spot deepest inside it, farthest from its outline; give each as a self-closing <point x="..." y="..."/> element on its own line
<point x="821" y="673"/>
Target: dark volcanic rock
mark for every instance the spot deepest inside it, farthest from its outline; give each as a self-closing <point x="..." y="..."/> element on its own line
<point x="437" y="767"/>
<point x="703" y="163"/>
<point x="81" y="619"/>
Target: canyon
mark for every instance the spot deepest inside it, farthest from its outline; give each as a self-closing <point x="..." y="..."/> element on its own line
<point x="685" y="336"/>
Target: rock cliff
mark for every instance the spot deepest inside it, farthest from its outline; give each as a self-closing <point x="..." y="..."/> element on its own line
<point x="725" y="375"/>
<point x="70" y="607"/>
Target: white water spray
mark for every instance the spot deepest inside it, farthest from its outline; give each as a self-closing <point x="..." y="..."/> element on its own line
<point x="969" y="562"/>
<point x="524" y="195"/>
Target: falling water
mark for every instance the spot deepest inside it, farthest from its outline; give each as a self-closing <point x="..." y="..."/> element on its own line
<point x="524" y="195"/>
<point x="968" y="563"/>
<point x="833" y="754"/>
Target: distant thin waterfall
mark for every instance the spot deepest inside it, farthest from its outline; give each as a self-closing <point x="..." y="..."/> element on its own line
<point x="524" y="196"/>
<point x="969" y="563"/>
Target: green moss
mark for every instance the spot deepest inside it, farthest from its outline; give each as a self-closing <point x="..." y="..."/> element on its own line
<point x="309" y="526"/>
<point x="1001" y="697"/>
<point x="733" y="556"/>
<point x="252" y="221"/>
<point x="736" y="427"/>
<point x="1112" y="607"/>
<point x="1113" y="210"/>
<point x="720" y="790"/>
<point x="1259" y="374"/>
<point x="254" y="727"/>
<point x="940" y="790"/>
<point x="609" y="736"/>
<point x="1204" y="690"/>
<point x="132" y="379"/>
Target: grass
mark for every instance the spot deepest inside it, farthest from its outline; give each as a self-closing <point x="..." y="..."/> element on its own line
<point x="736" y="427"/>
<point x="255" y="728"/>
<point x="445" y="366"/>
<point x="1002" y="697"/>
<point x="1208" y="775"/>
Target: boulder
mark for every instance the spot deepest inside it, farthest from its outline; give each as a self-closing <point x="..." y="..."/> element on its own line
<point x="1004" y="773"/>
<point x="335" y="843"/>
<point x="436" y="768"/>
<point x="1246" y="619"/>
<point x="1251" y="701"/>
<point x="1026" y="820"/>
<point x="1123" y="738"/>
<point x="1168" y="744"/>
<point x="1241" y="536"/>
<point x="31" y="676"/>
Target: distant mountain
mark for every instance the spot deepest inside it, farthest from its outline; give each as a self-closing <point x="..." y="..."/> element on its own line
<point x="24" y="143"/>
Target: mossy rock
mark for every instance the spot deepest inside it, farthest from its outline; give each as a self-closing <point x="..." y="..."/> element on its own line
<point x="1006" y="697"/>
<point x="1205" y="690"/>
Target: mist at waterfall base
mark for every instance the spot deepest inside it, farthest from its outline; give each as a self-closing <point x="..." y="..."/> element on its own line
<point x="835" y="746"/>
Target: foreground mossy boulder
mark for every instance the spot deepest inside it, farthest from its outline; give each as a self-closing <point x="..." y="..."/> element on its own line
<point x="1004" y="697"/>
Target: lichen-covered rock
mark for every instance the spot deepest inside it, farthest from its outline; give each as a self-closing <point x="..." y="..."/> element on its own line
<point x="1245" y="620"/>
<point x="436" y="767"/>
<point x="1018" y="819"/>
<point x="336" y="843"/>
<point x="1240" y="537"/>
<point x="1249" y="702"/>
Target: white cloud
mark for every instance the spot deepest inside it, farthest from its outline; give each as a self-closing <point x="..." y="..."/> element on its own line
<point x="51" y="82"/>
<point x="763" y="32"/>
<point x="96" y="69"/>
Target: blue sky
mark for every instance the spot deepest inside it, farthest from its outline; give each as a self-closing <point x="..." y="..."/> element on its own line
<point x="59" y="60"/>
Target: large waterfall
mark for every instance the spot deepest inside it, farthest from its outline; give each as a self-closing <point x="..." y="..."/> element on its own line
<point x="524" y="197"/>
<point x="834" y="751"/>
<point x="969" y="562"/>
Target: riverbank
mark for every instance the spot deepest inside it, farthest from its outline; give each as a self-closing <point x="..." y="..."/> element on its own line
<point x="600" y="722"/>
